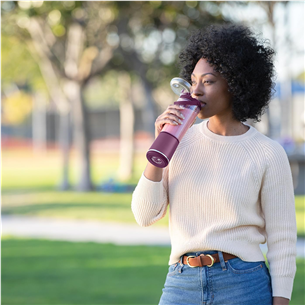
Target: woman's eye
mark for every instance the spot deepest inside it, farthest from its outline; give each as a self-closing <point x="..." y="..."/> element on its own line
<point x="193" y="83"/>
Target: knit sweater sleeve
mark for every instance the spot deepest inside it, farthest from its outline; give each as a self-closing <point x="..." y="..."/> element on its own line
<point x="150" y="200"/>
<point x="277" y="199"/>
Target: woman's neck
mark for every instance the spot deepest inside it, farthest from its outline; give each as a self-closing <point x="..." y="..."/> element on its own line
<point x="226" y="128"/>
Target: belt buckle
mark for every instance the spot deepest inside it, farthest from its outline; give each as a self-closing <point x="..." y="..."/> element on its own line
<point x="212" y="258"/>
<point x="188" y="263"/>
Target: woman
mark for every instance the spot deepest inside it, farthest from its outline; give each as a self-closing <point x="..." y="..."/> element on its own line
<point x="229" y="188"/>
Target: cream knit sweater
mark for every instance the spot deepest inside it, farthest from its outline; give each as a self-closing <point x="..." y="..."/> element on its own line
<point x="226" y="193"/>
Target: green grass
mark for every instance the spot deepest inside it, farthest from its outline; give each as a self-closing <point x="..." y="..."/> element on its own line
<point x="300" y="215"/>
<point x="29" y="184"/>
<point x="52" y="272"/>
<point x="49" y="272"/>
<point x="55" y="272"/>
<point x="93" y="205"/>
<point x="23" y="170"/>
<point x="71" y="205"/>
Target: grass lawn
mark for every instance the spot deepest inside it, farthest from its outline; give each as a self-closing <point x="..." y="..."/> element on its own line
<point x="72" y="205"/>
<point x="24" y="170"/>
<point x="53" y="272"/>
<point x="29" y="188"/>
<point x="300" y="215"/>
<point x="49" y="272"/>
<point x="29" y="185"/>
<point x="93" y="205"/>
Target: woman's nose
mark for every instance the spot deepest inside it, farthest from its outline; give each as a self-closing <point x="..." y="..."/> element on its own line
<point x="196" y="91"/>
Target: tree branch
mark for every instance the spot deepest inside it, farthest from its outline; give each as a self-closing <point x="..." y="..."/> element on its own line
<point x="74" y="48"/>
<point x="100" y="62"/>
<point x="50" y="77"/>
<point x="46" y="39"/>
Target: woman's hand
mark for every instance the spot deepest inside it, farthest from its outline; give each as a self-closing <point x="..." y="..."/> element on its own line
<point x="280" y="301"/>
<point x="171" y="115"/>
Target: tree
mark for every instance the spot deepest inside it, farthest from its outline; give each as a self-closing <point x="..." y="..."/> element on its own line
<point x="70" y="50"/>
<point x="77" y="41"/>
<point x="269" y="9"/>
<point x="150" y="35"/>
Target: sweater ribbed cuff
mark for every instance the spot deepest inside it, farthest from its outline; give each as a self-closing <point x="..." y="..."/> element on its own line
<point x="282" y="287"/>
<point x="149" y="201"/>
<point x="145" y="182"/>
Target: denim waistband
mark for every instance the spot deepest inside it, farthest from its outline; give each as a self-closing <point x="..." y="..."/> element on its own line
<point x="201" y="252"/>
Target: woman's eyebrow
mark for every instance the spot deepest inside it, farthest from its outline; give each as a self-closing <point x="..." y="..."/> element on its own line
<point x="204" y="74"/>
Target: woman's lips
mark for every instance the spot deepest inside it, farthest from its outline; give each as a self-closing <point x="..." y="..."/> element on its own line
<point x="203" y="104"/>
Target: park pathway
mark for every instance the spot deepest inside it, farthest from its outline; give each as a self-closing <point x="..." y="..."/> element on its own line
<point x="95" y="231"/>
<point x="84" y="230"/>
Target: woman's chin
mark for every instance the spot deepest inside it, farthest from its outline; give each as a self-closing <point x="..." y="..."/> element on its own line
<point x="201" y="116"/>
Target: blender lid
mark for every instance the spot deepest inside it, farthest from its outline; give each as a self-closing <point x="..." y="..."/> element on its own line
<point x="187" y="99"/>
<point x="180" y="85"/>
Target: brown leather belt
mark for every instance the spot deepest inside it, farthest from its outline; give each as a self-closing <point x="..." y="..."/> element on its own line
<point x="205" y="259"/>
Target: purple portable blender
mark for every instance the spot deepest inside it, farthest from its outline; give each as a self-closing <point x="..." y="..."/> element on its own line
<point x="164" y="146"/>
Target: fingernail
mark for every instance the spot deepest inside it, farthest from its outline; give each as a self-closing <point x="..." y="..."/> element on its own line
<point x="180" y="121"/>
<point x="182" y="116"/>
<point x="182" y="107"/>
<point x="175" y="123"/>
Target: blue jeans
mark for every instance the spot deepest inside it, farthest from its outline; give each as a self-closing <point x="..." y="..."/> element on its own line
<point x="233" y="282"/>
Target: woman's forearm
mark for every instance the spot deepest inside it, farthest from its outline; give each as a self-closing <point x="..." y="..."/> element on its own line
<point x="153" y="173"/>
<point x="280" y="301"/>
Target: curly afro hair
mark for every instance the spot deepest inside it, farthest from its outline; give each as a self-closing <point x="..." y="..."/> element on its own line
<point x="245" y="61"/>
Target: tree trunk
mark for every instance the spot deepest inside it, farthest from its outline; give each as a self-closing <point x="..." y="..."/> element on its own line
<point x="65" y="140"/>
<point x="269" y="8"/>
<point x="39" y="121"/>
<point x="73" y="90"/>
<point x="149" y="111"/>
<point x="51" y="78"/>
<point x="126" y="128"/>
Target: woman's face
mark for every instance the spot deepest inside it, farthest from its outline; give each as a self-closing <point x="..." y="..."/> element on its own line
<point x="211" y="89"/>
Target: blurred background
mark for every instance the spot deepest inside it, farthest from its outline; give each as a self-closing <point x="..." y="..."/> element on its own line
<point x="82" y="83"/>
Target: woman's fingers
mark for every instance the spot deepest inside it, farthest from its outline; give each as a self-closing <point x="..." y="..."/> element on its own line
<point x="172" y="115"/>
<point x="175" y="109"/>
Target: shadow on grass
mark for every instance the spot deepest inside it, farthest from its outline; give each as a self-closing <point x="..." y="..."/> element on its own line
<point x="33" y="208"/>
<point x="104" y="186"/>
<point x="92" y="205"/>
<point x="25" y="190"/>
<point x="72" y="205"/>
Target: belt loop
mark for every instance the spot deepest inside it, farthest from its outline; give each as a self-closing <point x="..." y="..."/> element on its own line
<point x="180" y="267"/>
<point x="222" y="261"/>
<point x="181" y="260"/>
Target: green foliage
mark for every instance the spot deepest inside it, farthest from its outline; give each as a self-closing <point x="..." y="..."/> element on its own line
<point x="18" y="65"/>
<point x="103" y="92"/>
<point x="151" y="31"/>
